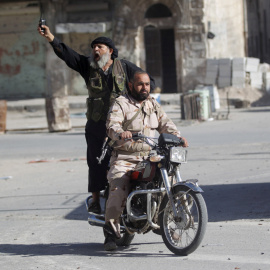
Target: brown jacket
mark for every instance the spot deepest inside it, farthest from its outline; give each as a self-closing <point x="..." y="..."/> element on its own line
<point x="151" y="118"/>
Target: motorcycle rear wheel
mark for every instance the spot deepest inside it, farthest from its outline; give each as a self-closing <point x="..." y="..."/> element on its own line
<point x="125" y="239"/>
<point x="182" y="236"/>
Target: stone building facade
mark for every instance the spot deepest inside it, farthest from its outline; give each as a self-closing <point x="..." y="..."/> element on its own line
<point x="171" y="39"/>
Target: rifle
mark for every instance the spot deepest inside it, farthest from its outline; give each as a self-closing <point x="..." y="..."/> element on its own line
<point x="106" y="148"/>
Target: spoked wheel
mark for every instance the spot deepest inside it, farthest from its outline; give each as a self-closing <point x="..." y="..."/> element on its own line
<point x="183" y="234"/>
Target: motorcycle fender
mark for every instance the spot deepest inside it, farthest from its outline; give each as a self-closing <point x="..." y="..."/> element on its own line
<point x="190" y="184"/>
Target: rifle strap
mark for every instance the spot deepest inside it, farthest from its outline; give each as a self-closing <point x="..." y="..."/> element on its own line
<point x="125" y="126"/>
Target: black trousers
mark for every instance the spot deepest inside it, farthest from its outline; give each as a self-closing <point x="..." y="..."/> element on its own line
<point x="95" y="133"/>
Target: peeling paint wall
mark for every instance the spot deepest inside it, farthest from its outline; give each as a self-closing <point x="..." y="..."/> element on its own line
<point x="22" y="53"/>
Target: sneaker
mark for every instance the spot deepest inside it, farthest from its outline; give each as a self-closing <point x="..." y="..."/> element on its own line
<point x="109" y="243"/>
<point x="94" y="207"/>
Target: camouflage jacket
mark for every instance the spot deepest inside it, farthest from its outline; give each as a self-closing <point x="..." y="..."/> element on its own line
<point x="151" y="118"/>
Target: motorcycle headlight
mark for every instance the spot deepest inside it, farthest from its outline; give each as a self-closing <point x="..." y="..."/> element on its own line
<point x="178" y="155"/>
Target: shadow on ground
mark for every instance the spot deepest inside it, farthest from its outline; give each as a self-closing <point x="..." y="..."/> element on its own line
<point x="263" y="101"/>
<point x="224" y="202"/>
<point x="80" y="249"/>
<point x="237" y="201"/>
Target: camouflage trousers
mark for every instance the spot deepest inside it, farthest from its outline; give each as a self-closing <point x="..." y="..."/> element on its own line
<point x="119" y="177"/>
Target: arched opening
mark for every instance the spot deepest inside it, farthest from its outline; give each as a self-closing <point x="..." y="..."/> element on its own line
<point x="158" y="11"/>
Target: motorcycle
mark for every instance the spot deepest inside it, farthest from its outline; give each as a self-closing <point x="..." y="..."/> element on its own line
<point x="159" y="200"/>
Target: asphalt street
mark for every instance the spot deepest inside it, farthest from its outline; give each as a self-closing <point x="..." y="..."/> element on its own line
<point x="43" y="184"/>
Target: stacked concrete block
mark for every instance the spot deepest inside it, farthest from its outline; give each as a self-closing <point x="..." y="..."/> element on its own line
<point x="266" y="77"/>
<point x="256" y="79"/>
<point x="252" y="64"/>
<point x="265" y="69"/>
<point x="224" y="72"/>
<point x="252" y="67"/>
<point x="238" y="72"/>
<point x="211" y="71"/>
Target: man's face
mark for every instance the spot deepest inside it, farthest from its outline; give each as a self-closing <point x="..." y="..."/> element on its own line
<point x="140" y="88"/>
<point x="99" y="50"/>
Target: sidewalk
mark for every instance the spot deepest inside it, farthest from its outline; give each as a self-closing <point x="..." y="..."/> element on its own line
<point x="30" y="114"/>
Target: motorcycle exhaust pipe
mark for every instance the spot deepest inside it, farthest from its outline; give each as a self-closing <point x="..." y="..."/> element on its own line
<point x="97" y="219"/>
<point x="94" y="219"/>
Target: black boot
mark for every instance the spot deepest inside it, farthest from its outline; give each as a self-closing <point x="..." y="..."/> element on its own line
<point x="94" y="207"/>
<point x="109" y="243"/>
<point x="110" y="237"/>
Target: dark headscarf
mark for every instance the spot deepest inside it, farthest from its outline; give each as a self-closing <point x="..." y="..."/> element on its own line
<point x="108" y="42"/>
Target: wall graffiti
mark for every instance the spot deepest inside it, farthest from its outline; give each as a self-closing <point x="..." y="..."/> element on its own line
<point x="11" y="70"/>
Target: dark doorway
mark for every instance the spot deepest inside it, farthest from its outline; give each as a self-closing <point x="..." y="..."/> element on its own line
<point x="160" y="57"/>
<point x="168" y="60"/>
<point x="258" y="30"/>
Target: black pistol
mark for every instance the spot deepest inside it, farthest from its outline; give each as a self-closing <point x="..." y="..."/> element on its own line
<point x="41" y="23"/>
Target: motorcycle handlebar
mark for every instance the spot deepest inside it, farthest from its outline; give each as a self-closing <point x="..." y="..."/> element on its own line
<point x="181" y="142"/>
<point x="137" y="136"/>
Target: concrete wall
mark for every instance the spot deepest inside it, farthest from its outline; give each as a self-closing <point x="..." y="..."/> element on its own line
<point x="226" y="20"/>
<point x="22" y="52"/>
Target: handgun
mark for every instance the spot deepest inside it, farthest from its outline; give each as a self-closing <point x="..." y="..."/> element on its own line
<point x="41" y="23"/>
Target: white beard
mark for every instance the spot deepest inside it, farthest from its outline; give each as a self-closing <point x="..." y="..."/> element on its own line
<point x="101" y="62"/>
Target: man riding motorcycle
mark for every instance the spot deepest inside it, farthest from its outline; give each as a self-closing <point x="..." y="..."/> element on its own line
<point x="134" y="112"/>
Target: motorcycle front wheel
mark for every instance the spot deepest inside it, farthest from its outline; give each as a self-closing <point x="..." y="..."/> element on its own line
<point x="183" y="234"/>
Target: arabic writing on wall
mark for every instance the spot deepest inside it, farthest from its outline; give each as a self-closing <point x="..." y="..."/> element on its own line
<point x="13" y="69"/>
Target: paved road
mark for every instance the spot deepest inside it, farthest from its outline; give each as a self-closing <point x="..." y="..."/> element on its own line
<point x="43" y="219"/>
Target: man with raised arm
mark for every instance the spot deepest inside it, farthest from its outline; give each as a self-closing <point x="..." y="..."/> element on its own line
<point x="106" y="77"/>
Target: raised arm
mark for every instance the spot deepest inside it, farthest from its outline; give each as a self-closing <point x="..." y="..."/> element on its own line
<point x="46" y="33"/>
<point x="73" y="59"/>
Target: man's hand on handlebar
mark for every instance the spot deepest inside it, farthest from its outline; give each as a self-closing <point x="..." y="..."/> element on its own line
<point x="184" y="142"/>
<point x="125" y="135"/>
